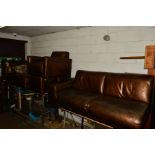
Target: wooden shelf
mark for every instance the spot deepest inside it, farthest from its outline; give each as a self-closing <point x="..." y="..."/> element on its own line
<point x="133" y="57"/>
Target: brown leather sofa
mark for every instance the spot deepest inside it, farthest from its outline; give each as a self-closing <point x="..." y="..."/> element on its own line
<point x="119" y="100"/>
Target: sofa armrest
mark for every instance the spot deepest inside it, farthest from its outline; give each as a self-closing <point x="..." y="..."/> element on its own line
<point x="56" y="88"/>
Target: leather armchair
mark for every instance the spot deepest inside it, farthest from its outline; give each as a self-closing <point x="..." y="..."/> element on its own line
<point x="43" y="71"/>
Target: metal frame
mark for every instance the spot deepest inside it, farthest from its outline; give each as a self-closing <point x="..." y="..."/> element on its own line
<point x="82" y="119"/>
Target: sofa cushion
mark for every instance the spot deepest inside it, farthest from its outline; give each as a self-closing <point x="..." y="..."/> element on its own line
<point x="113" y="85"/>
<point x="75" y="100"/>
<point x="89" y="81"/>
<point x="117" y="112"/>
<point x="136" y="87"/>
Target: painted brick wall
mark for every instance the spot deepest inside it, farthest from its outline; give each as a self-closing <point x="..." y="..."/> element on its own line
<point x="89" y="51"/>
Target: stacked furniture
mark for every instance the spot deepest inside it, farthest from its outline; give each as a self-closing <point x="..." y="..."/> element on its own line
<point x="37" y="73"/>
<point x="43" y="71"/>
<point x="15" y="72"/>
<point x="13" y="76"/>
<point x="46" y="71"/>
<point x="119" y="100"/>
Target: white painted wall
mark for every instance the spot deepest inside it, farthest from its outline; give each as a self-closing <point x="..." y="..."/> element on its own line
<point x="89" y="51"/>
<point x="19" y="37"/>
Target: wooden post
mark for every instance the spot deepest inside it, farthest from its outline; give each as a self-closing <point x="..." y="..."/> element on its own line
<point x="150" y="66"/>
<point x="149" y="57"/>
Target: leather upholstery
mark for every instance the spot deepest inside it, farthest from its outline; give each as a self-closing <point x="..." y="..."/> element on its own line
<point x="39" y="71"/>
<point x="116" y="99"/>
<point x="56" y="67"/>
<point x="88" y="81"/>
<point x="36" y="65"/>
<point x="113" y="85"/>
<point x="117" y="112"/>
<point x="75" y="100"/>
<point x="60" y="54"/>
<point x="134" y="87"/>
<point x="46" y="70"/>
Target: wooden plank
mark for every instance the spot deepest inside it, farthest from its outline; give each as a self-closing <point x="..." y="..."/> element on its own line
<point x="133" y="57"/>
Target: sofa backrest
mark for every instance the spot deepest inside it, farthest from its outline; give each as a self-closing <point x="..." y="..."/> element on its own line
<point x="89" y="81"/>
<point x="136" y="87"/>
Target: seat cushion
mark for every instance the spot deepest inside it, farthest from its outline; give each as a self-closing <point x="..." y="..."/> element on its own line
<point x="75" y="100"/>
<point x="118" y="113"/>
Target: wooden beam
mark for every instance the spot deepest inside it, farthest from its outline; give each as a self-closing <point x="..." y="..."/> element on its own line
<point x="133" y="57"/>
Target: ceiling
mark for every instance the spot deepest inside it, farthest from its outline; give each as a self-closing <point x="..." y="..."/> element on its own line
<point x="32" y="31"/>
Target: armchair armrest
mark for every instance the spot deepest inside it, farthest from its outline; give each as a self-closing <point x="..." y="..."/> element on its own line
<point x="56" y="88"/>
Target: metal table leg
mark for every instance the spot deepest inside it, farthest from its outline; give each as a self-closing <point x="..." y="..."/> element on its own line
<point x="82" y="120"/>
<point x="64" y="120"/>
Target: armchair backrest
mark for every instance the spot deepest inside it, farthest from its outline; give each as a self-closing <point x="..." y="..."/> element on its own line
<point x="32" y="59"/>
<point x="55" y="67"/>
<point x="36" y="65"/>
<point x="60" y="54"/>
<point x="58" y="64"/>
